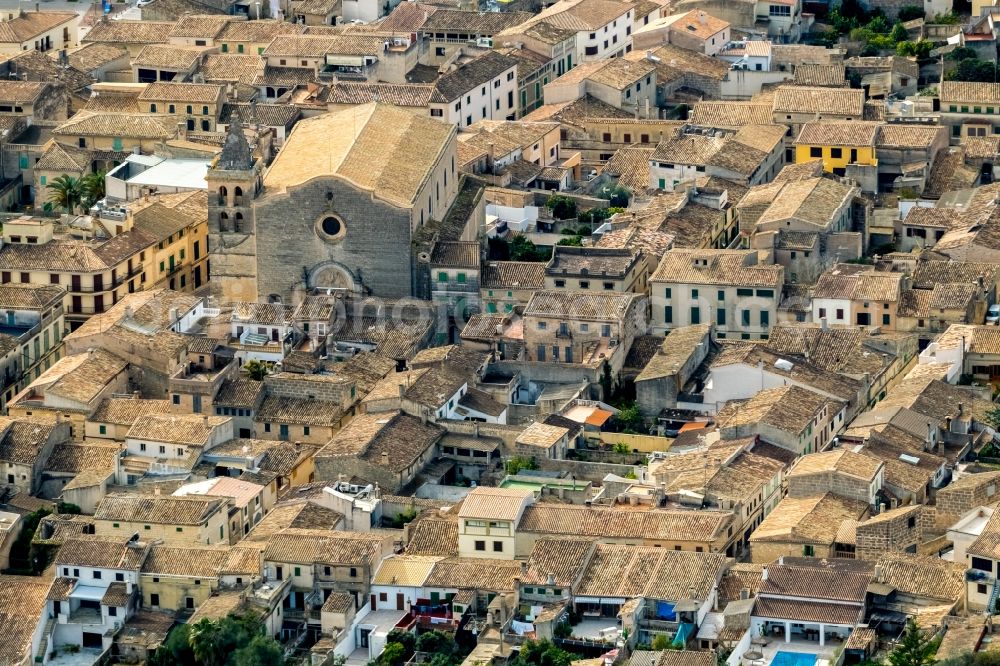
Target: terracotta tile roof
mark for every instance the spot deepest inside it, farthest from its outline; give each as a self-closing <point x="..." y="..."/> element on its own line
<point x="815" y="579"/>
<point x="830" y="101"/>
<point x="22" y="602"/>
<point x="129" y="32"/>
<point x="125" y="411"/>
<point x="479" y="23"/>
<point x="807" y="611"/>
<point x="494" y="503"/>
<point x="189" y="429"/>
<point x="791" y="409"/>
<point x="58" y="157"/>
<point x="308" y="546"/>
<point x="200" y="25"/>
<point x="181" y="92"/>
<point x="88" y="550"/>
<point x="283" y="409"/>
<point x="853" y="133"/>
<point x="407" y="17"/>
<point x="513" y="275"/>
<point x="403" y="438"/>
<point x="28" y="25"/>
<point x="740" y="576"/>
<point x="78" y="457"/>
<point x="258" y="31"/>
<point x="194" y="562"/>
<point x="813" y="200"/>
<point x="963" y="91"/>
<point x="901" y="135"/>
<point x="923" y="577"/>
<point x="119" y="125"/>
<point x="157" y="509"/>
<point x="405" y="570"/>
<point x="716" y="267"/>
<point x="471" y="75"/>
<point x="398" y="94"/>
<point x="631" y="166"/>
<point x="93" y="56"/>
<point x="233" y="67"/>
<point x="580" y="305"/>
<point x="390" y="152"/>
<point x="474" y="574"/>
<point x="433" y="536"/>
<point x="646" y="571"/>
<point x="808" y="520"/>
<point x="820" y="75"/>
<point x="839" y="460"/>
<point x="674" y="525"/>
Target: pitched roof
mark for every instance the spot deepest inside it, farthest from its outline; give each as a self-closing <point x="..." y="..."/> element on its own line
<point x="389" y="151"/>
<point x="717" y="267"/>
<point x="401" y="437"/>
<point x="814" y="519"/>
<point x="825" y="133"/>
<point x="120" y="125"/>
<point x="309" y="546"/>
<point x="585" y="521"/>
<point x="88" y="550"/>
<point x="513" y="275"/>
<point x="791" y="409"/>
<point x="965" y="91"/>
<point x="398" y="94"/>
<point x="580" y="305"/>
<point x="157" y="509"/>
<point x="456" y="83"/>
<point x="129" y="32"/>
<point x="181" y="92"/>
<point x="647" y="571"/>
<point x="22" y="602"/>
<point x="832" y="101"/>
<point x="28" y="25"/>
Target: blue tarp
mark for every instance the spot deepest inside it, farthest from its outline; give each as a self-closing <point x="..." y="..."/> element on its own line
<point x="680" y="640"/>
<point x="665" y="611"/>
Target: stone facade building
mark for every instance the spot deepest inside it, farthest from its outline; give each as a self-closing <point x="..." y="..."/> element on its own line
<point x="899" y="530"/>
<point x="965" y="494"/>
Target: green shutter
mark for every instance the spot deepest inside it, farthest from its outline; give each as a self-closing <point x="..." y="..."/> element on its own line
<point x="442" y="277"/>
<point x="225" y="48"/>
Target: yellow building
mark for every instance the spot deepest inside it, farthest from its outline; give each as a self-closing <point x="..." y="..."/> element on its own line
<point x="39" y="31"/>
<point x="838" y="144"/>
<point x="252" y="37"/>
<point x="176" y="578"/>
<point x="161" y="242"/>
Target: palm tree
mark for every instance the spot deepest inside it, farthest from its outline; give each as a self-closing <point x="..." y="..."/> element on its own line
<point x="204" y="641"/>
<point x="92" y="188"/>
<point x="65" y="192"/>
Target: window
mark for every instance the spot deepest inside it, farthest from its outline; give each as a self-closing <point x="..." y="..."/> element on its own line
<point x="840" y="313"/>
<point x="119" y="577"/>
<point x="481" y="545"/>
<point x="836" y="153"/>
<point x="745" y="317"/>
<point x="668" y="314"/>
<point x="176" y="398"/>
<point x="154" y="600"/>
<point x="498" y="546"/>
<point x="695" y="316"/>
<point x="886" y="320"/>
<point x="97" y="575"/>
<point x="298" y="571"/>
<point x="779" y="10"/>
<point x="103" y="430"/>
<point x="765" y="319"/>
<point x="666" y="292"/>
<point x="815" y="151"/>
<point x="720" y="317"/>
<point x="354" y="572"/>
<point x="808" y="551"/>
<point x="744" y="292"/>
<point x="694" y="293"/>
<point x="981" y="588"/>
<point x="541" y="326"/>
<point x="982" y="564"/>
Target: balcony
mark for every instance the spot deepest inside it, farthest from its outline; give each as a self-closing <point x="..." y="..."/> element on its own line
<point x="85" y="616"/>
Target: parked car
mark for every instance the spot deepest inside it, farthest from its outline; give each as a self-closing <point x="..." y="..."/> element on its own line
<point x="993" y="314"/>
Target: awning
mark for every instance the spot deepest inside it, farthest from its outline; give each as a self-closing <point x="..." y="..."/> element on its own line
<point x="345" y="60"/>
<point x="88" y="593"/>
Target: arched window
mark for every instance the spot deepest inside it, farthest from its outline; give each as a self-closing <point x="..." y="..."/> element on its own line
<point x="152" y="108"/>
<point x="238" y="222"/>
<point x="223" y="194"/>
<point x="223" y="221"/>
<point x="237" y="196"/>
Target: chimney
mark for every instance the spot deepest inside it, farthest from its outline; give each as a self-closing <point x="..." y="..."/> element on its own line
<point x="204" y="420"/>
<point x="298" y="445"/>
<point x="822" y="324"/>
<point x="878" y="573"/>
<point x="763" y="573"/>
<point x="781" y="560"/>
<point x="550" y="579"/>
<point x="475" y="428"/>
<point x="182" y="130"/>
<point x="524" y="568"/>
<point x="156" y="490"/>
<point x="385" y="458"/>
<point x="402" y="390"/>
<point x="929" y="442"/>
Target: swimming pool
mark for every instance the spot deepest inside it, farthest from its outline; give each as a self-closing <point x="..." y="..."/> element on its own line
<point x="793" y="659"/>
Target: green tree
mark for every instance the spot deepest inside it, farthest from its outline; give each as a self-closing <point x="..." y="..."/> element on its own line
<point x="914" y="648"/>
<point x="92" y="188"/>
<point x="261" y="651"/>
<point x="404" y="638"/>
<point x="572" y="241"/>
<point x="436" y="642"/>
<point x="661" y="642"/>
<point x="394" y="654"/>
<point x="176" y="649"/>
<point x="563" y="208"/>
<point x="522" y="249"/>
<point x="899" y="33"/>
<point x="975" y="70"/>
<point x="65" y="192"/>
<point x="629" y="418"/>
<point x="205" y="643"/>
<point x="518" y="463"/>
<point x="962" y="53"/>
<point x="920" y="49"/>
<point x="992" y="417"/>
<point x="254" y="369"/>
<point x="542" y="653"/>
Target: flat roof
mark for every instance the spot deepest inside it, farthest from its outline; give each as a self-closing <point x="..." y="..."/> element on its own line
<point x="172" y="172"/>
